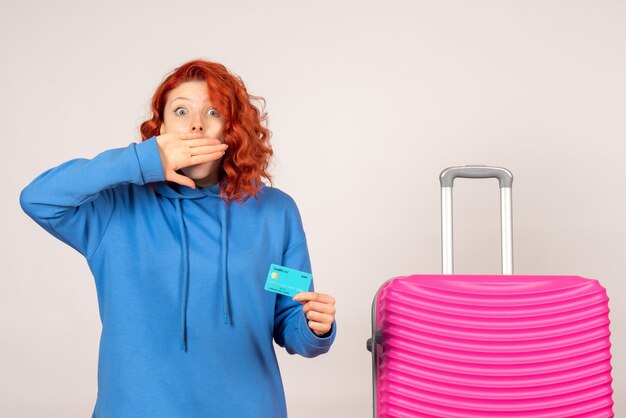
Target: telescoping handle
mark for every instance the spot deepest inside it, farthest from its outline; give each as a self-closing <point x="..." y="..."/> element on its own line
<point x="446" y="179"/>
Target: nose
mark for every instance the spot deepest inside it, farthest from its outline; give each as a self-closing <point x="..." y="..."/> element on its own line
<point x="197" y="124"/>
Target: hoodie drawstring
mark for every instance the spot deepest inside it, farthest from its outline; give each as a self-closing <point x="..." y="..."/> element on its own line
<point x="224" y="219"/>
<point x="185" y="275"/>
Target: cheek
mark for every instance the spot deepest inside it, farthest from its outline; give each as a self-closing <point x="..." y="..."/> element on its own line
<point x="171" y="122"/>
<point x="216" y="130"/>
<point x="167" y="126"/>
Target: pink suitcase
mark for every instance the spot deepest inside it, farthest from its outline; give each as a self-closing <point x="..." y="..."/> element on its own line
<point x="469" y="346"/>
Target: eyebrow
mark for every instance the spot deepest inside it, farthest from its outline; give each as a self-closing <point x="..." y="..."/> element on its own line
<point x="184" y="98"/>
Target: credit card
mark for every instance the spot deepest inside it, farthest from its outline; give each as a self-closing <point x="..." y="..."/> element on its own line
<point x="286" y="281"/>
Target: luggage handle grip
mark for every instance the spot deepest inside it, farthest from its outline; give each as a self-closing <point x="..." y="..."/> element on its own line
<point x="446" y="179"/>
<point x="503" y="175"/>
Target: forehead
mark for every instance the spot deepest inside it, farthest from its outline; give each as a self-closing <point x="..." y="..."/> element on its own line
<point x="195" y="91"/>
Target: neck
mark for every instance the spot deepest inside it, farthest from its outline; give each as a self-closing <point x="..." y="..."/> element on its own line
<point x="207" y="181"/>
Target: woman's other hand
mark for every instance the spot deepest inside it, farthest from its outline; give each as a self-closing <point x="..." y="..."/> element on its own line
<point x="180" y="150"/>
<point x="319" y="310"/>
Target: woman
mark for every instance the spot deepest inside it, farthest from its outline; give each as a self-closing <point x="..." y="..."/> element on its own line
<point x="179" y="232"/>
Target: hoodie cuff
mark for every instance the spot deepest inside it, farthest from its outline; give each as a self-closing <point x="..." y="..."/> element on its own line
<point x="149" y="160"/>
<point x="314" y="339"/>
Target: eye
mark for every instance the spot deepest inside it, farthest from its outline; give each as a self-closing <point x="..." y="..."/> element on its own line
<point x="214" y="112"/>
<point x="180" y="108"/>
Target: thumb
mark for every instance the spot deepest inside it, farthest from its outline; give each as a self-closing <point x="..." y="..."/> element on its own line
<point x="184" y="180"/>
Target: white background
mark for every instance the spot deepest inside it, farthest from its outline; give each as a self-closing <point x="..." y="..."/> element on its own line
<point x="368" y="102"/>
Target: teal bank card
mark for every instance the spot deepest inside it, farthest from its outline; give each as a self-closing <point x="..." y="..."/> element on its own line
<point x="286" y="281"/>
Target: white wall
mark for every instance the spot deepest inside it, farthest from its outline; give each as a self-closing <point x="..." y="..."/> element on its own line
<point x="368" y="102"/>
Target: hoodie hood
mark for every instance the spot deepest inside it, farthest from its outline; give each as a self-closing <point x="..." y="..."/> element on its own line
<point x="184" y="192"/>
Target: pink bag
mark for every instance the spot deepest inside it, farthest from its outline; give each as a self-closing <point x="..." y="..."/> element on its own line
<point x="470" y="346"/>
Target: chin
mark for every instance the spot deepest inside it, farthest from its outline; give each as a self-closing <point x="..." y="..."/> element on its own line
<point x="197" y="172"/>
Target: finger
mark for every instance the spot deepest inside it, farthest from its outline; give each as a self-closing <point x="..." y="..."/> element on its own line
<point x="199" y="159"/>
<point x="319" y="307"/>
<point x="208" y="149"/>
<point x="321" y="328"/>
<point x="320" y="297"/>
<point x="201" y="142"/>
<point x="190" y="135"/>
<point x="320" y="317"/>
<point x="311" y="296"/>
<point x="184" y="180"/>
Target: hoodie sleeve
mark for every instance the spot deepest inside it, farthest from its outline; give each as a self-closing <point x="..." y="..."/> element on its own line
<point x="74" y="201"/>
<point x="291" y="329"/>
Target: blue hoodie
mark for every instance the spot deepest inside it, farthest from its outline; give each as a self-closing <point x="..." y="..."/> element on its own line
<point x="187" y="327"/>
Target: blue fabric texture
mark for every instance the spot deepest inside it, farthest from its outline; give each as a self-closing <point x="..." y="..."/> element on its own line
<point x="187" y="327"/>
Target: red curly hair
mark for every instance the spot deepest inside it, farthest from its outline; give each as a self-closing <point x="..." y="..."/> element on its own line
<point x="249" y="153"/>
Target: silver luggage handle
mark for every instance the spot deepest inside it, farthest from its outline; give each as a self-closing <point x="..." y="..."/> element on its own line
<point x="446" y="179"/>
